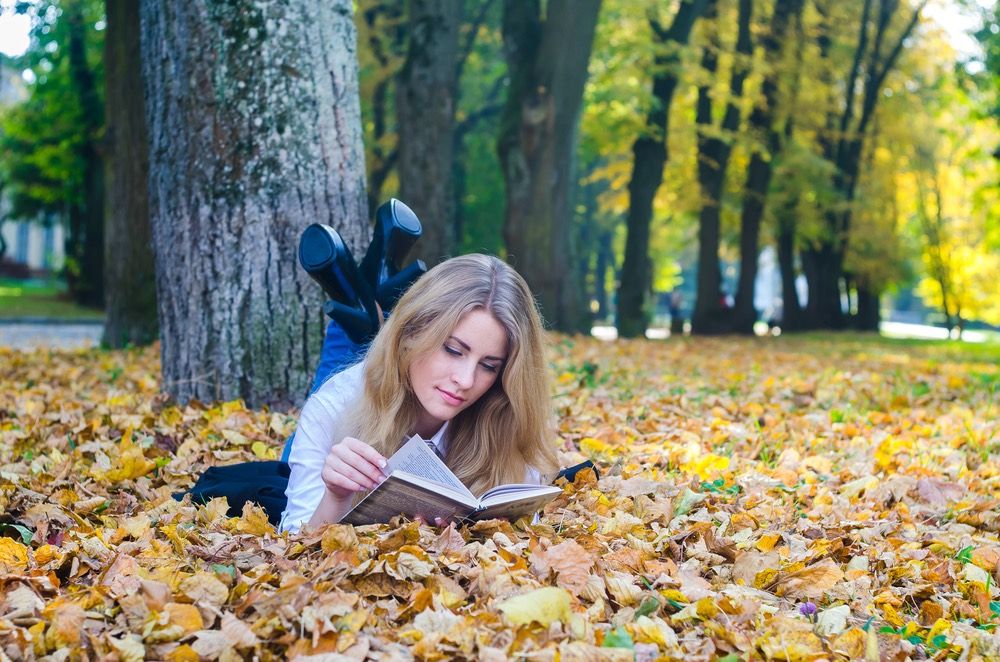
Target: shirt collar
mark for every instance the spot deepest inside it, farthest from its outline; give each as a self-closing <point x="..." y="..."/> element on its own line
<point x="439" y="440"/>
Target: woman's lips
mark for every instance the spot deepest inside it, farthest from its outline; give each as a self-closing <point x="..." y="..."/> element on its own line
<point x="451" y="398"/>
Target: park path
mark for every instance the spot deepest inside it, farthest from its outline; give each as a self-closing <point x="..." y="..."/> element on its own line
<point x="28" y="336"/>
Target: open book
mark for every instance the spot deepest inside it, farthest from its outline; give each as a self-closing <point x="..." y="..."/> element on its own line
<point x="419" y="483"/>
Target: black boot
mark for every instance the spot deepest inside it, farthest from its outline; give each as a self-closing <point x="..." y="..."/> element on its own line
<point x="396" y="230"/>
<point x="325" y="257"/>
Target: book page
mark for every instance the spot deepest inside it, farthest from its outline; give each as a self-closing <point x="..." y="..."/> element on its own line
<point x="403" y="494"/>
<point x="513" y="489"/>
<point x="516" y="504"/>
<point x="417" y="458"/>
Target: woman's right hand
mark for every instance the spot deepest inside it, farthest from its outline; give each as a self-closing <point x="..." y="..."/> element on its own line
<point x="352" y="466"/>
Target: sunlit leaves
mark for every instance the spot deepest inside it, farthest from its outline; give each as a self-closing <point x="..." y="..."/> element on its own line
<point x="830" y="498"/>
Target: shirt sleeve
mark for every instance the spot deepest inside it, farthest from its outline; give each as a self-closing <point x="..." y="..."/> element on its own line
<point x="312" y="441"/>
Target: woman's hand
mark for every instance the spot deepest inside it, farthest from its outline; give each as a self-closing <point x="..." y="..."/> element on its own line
<point x="352" y="466"/>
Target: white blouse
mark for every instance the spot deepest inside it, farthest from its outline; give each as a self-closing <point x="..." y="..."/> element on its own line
<point x="314" y="437"/>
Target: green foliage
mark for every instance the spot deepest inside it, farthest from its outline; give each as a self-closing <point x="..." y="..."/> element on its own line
<point x="42" y="164"/>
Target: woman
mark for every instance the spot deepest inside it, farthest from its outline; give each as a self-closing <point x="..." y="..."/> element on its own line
<point x="461" y="363"/>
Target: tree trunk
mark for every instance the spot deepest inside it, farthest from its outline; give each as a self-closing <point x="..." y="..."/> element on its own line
<point x="869" y="315"/>
<point x="86" y="241"/>
<point x="710" y="316"/>
<point x="843" y="146"/>
<point x="791" y="308"/>
<point x="547" y="60"/>
<point x="130" y="277"/>
<point x="758" y="180"/>
<point x="255" y="132"/>
<point x="649" y="156"/>
<point x="605" y="260"/>
<point x="425" y="109"/>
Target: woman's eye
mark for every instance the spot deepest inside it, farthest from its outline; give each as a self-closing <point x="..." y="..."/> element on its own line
<point x="489" y="367"/>
<point x="452" y="351"/>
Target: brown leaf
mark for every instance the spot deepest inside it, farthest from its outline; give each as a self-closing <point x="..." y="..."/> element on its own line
<point x="810" y="582"/>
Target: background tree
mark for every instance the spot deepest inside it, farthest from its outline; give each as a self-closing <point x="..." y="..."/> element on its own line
<point x="766" y="136"/>
<point x="878" y="46"/>
<point x="715" y="144"/>
<point x="130" y="276"/>
<point x="50" y="143"/>
<point x="250" y="141"/>
<point x="547" y="58"/>
<point x="425" y="106"/>
<point x="649" y="156"/>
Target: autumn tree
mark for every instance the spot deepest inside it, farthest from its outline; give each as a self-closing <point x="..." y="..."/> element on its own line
<point x="130" y="277"/>
<point x="650" y="154"/>
<point x="766" y="135"/>
<point x="715" y="144"/>
<point x="425" y="107"/>
<point x="51" y="143"/>
<point x="879" y="43"/>
<point x="255" y="132"/>
<point x="547" y="55"/>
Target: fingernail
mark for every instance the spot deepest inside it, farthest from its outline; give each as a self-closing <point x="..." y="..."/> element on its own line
<point x="383" y="463"/>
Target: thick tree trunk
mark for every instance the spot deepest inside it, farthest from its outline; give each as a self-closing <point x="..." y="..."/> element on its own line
<point x="86" y="239"/>
<point x="649" y="156"/>
<point x="130" y="276"/>
<point x="425" y="109"/>
<point x="547" y="59"/>
<point x="758" y="180"/>
<point x="710" y="316"/>
<point x="605" y="260"/>
<point x="255" y="132"/>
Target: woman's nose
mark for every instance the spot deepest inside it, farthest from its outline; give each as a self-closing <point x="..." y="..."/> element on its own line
<point x="465" y="374"/>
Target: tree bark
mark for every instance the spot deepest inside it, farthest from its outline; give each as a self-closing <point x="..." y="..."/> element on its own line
<point x="425" y="109"/>
<point x="649" y="155"/>
<point x="85" y="242"/>
<point x="758" y="179"/>
<point x="710" y="317"/>
<point x="130" y="277"/>
<point x="255" y="132"/>
<point x="547" y="60"/>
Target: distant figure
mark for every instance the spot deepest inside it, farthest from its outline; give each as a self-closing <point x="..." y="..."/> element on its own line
<point x="676" y="321"/>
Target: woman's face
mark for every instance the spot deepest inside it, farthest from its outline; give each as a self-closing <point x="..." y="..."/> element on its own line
<point x="453" y="376"/>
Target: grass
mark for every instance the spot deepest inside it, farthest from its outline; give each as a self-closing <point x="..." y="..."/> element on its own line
<point x="41" y="298"/>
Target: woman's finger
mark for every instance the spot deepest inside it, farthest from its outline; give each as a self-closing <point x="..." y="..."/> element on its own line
<point x="366" y="451"/>
<point x="349" y="458"/>
<point x="347" y="454"/>
<point x="348" y="468"/>
<point x="339" y="482"/>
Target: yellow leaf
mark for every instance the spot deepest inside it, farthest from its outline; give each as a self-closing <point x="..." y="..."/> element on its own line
<point x="235" y="438"/>
<point x="766" y="542"/>
<point x="187" y="617"/>
<point x="205" y="587"/>
<point x="940" y="626"/>
<point x="706" y="465"/>
<point x="13" y="556"/>
<point x="593" y="446"/>
<point x="543" y="605"/>
<point x="891" y="616"/>
<point x="254" y="520"/>
<point x="263" y="451"/>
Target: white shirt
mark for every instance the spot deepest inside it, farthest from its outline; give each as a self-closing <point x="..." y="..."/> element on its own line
<point x="314" y="436"/>
<point x="313" y="439"/>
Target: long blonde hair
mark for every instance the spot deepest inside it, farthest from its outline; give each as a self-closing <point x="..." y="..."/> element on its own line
<point x="508" y="429"/>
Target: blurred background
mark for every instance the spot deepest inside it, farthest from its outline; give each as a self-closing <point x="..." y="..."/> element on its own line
<point x="705" y="167"/>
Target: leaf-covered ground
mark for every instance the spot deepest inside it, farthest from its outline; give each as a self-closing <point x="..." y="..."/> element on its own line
<point x="793" y="499"/>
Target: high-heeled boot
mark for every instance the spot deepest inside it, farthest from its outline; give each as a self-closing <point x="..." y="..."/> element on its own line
<point x="328" y="260"/>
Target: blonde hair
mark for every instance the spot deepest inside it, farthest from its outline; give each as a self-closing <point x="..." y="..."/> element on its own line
<point x="508" y="429"/>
